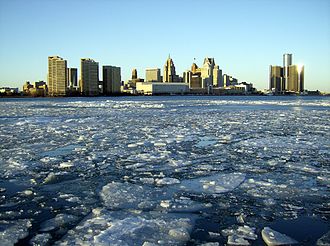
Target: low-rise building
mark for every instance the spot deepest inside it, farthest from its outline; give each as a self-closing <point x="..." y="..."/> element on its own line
<point x="160" y="88"/>
<point x="8" y="90"/>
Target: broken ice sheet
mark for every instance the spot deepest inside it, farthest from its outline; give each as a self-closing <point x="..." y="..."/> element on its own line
<point x="122" y="228"/>
<point x="273" y="238"/>
<point x="213" y="184"/>
<point x="12" y="231"/>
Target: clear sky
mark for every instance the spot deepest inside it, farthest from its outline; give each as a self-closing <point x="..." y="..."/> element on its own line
<point x="244" y="36"/>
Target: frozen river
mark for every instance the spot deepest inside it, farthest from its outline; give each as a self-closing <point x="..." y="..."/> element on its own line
<point x="165" y="171"/>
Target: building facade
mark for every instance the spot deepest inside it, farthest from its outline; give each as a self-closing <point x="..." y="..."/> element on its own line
<point x="276" y="79"/>
<point x="289" y="78"/>
<point x="169" y="72"/>
<point x="57" y="76"/>
<point x="89" y="77"/>
<point x="153" y="75"/>
<point x="72" y="79"/>
<point x="111" y="80"/>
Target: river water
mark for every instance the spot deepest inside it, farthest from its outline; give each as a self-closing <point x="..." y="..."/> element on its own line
<point x="176" y="170"/>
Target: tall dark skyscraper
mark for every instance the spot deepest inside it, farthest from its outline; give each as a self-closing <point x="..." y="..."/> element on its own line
<point x="111" y="80"/>
<point x="276" y="80"/>
<point x="89" y="77"/>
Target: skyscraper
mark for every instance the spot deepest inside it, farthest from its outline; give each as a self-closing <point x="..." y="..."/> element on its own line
<point x="276" y="80"/>
<point x="89" y="77"/>
<point x="217" y="77"/>
<point x="169" y="71"/>
<point x="153" y="75"/>
<point x="289" y="78"/>
<point x="295" y="82"/>
<point x="287" y="61"/>
<point x="72" y="79"/>
<point x="111" y="80"/>
<point x="134" y="73"/>
<point x="57" y="76"/>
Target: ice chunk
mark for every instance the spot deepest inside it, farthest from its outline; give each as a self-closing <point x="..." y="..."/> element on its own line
<point x="273" y="238"/>
<point x="60" y="220"/>
<point x="237" y="240"/>
<point x="159" y="144"/>
<point x="124" y="228"/>
<point x="11" y="232"/>
<point x="131" y="196"/>
<point x="179" y="234"/>
<point x="324" y="240"/>
<point x="167" y="181"/>
<point x="67" y="164"/>
<point x="214" y="184"/>
<point x="41" y="239"/>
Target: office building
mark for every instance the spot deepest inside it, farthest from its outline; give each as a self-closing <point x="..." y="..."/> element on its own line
<point x="160" y="88"/>
<point x="287" y="62"/>
<point x="276" y="79"/>
<point x="153" y="75"/>
<point x="169" y="71"/>
<point x="217" y="77"/>
<point x="89" y="77"/>
<point x="134" y="74"/>
<point x="57" y="76"/>
<point x="289" y="78"/>
<point x="72" y="79"/>
<point x="295" y="79"/>
<point x="111" y="80"/>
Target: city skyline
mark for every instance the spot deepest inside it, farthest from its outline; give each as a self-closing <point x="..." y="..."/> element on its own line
<point x="244" y="37"/>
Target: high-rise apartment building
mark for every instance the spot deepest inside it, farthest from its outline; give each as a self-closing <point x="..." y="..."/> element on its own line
<point x="111" y="80"/>
<point x="72" y="77"/>
<point x="57" y="76"/>
<point x="153" y="75"/>
<point x="89" y="77"/>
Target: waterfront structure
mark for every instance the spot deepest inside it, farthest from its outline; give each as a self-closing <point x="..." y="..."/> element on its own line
<point x="89" y="77"/>
<point x="134" y="73"/>
<point x="57" y="76"/>
<point x="276" y="79"/>
<point x="169" y="72"/>
<point x="289" y="78"/>
<point x="111" y="80"/>
<point x="72" y="78"/>
<point x="38" y="89"/>
<point x="295" y="79"/>
<point x="287" y="62"/>
<point x="229" y="80"/>
<point x="130" y="85"/>
<point x="217" y="77"/>
<point x="160" y="88"/>
<point x="153" y="75"/>
<point x="8" y="90"/>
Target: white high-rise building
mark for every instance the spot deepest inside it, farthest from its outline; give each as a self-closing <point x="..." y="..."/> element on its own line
<point x="57" y="76"/>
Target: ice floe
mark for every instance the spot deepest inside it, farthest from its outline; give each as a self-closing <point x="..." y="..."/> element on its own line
<point x="273" y="238"/>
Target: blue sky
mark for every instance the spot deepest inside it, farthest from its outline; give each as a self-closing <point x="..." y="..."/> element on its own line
<point x="244" y="36"/>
